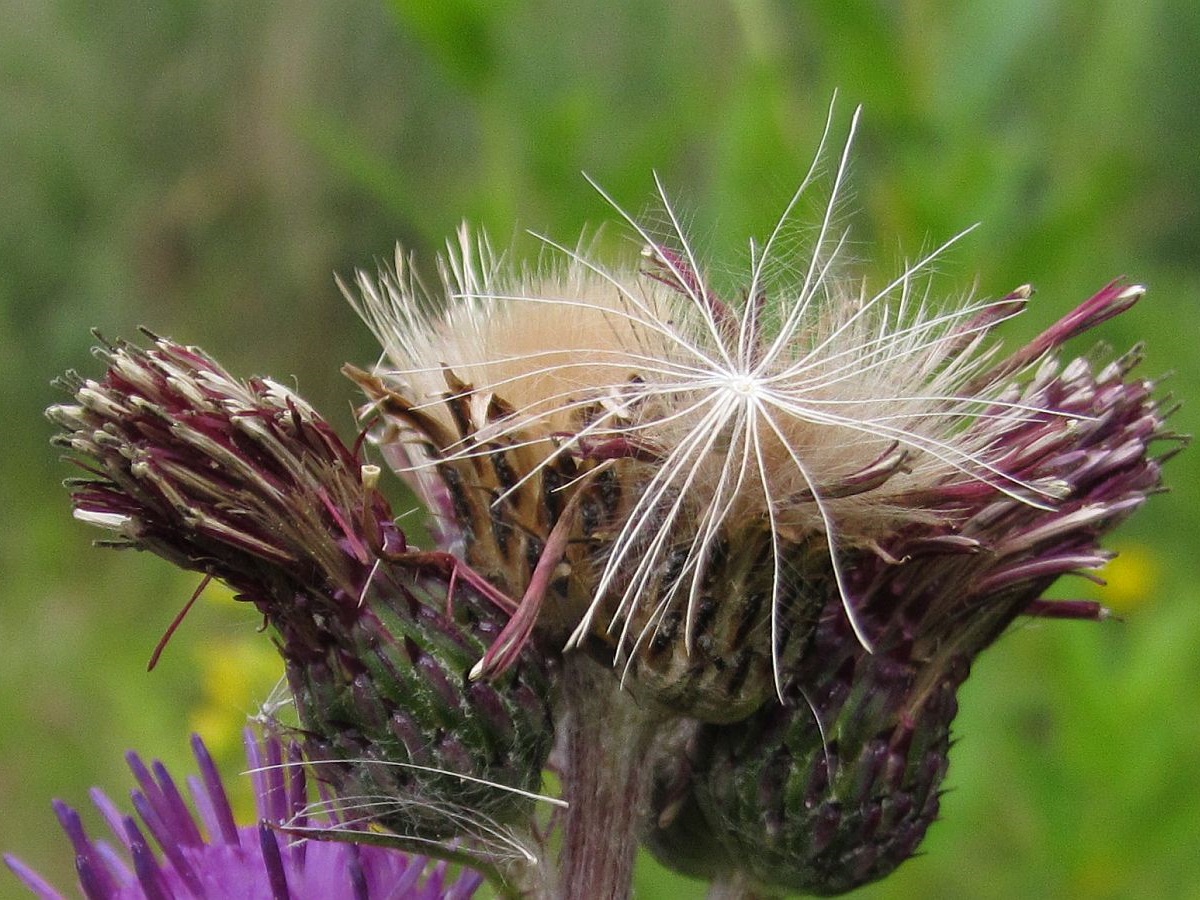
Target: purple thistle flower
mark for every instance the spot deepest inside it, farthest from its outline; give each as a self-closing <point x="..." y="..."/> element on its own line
<point x="205" y="853"/>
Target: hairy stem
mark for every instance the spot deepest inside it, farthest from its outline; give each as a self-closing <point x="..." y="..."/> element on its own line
<point x="607" y="780"/>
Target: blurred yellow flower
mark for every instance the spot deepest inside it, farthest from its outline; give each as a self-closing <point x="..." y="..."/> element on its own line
<point x="237" y="675"/>
<point x="1133" y="578"/>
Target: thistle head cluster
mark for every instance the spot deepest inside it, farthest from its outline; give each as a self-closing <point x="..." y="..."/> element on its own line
<point x="786" y="518"/>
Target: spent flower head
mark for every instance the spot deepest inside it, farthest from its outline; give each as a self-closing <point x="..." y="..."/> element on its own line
<point x="714" y="447"/>
<point x="863" y="737"/>
<point x="244" y="481"/>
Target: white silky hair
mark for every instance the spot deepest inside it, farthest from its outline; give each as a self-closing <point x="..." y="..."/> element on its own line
<point x="756" y="411"/>
<point x="490" y="840"/>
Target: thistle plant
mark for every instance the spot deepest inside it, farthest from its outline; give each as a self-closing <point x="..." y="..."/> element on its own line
<point x="732" y="553"/>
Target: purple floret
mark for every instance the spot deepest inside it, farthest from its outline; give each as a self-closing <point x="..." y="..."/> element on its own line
<point x="167" y="851"/>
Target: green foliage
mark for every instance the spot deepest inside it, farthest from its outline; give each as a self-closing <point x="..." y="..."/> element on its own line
<point x="203" y="168"/>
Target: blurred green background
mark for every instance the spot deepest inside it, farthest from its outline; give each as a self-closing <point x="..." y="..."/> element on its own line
<point x="203" y="168"/>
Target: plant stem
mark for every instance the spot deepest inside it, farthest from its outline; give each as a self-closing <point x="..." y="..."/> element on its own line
<point x="607" y="781"/>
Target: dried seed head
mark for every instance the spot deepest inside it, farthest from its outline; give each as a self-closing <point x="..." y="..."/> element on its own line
<point x="805" y="419"/>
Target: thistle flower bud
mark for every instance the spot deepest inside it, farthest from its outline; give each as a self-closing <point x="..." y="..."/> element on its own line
<point x="245" y="482"/>
<point x="836" y="785"/>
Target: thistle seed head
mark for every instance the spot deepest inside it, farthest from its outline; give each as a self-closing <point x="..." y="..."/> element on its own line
<point x="724" y="451"/>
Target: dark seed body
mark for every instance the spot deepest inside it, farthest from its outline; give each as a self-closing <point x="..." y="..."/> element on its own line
<point x="714" y="662"/>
